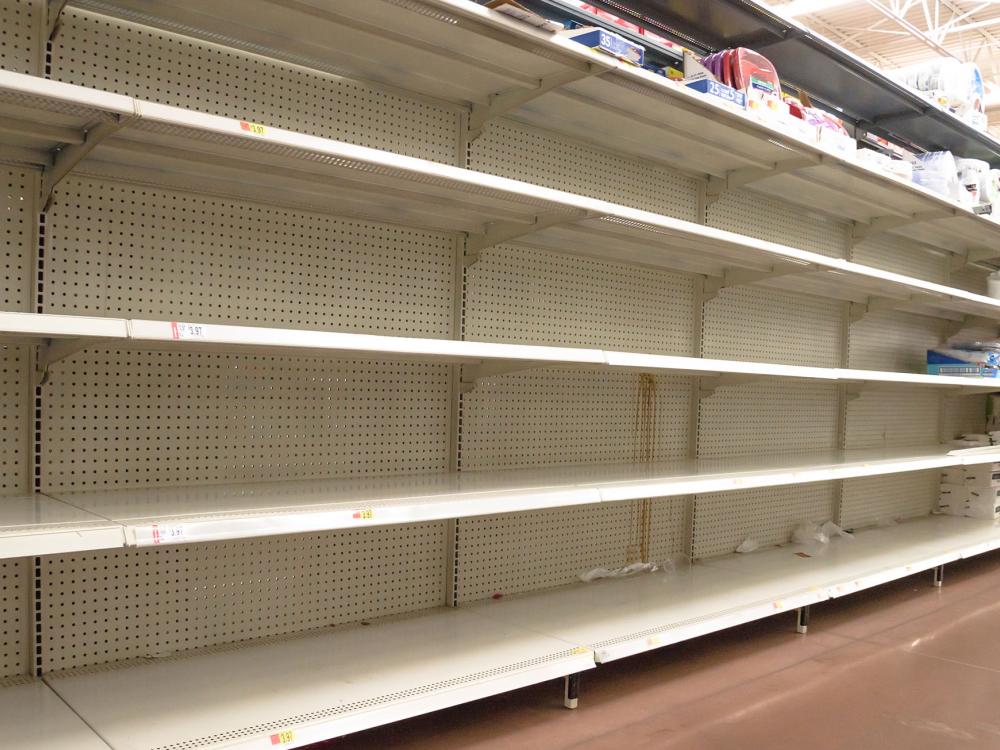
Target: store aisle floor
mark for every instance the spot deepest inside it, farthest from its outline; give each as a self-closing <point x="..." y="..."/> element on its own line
<point x="903" y="666"/>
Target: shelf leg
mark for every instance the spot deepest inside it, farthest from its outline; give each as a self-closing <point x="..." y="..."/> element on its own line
<point x="938" y="576"/>
<point x="571" y="694"/>
<point x="802" y="623"/>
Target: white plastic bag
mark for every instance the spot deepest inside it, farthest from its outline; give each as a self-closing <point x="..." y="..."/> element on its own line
<point x="809" y="532"/>
<point x="748" y="545"/>
<point x="831" y="530"/>
<point x="625" y="572"/>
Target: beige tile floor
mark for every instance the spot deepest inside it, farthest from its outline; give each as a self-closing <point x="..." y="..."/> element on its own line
<point x="904" y="666"/>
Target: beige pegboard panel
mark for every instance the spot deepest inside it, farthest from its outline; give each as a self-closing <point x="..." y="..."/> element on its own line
<point x="765" y="325"/>
<point x="970" y="278"/>
<point x="15" y="416"/>
<point x="723" y="520"/>
<point x="18" y="236"/>
<point x="123" y="250"/>
<point x="768" y="418"/>
<point x="765" y="218"/>
<point x="962" y="415"/>
<point x="526" y="153"/>
<point x="894" y="341"/>
<point x="19" y="35"/>
<point x="514" y="553"/>
<point x="901" y="256"/>
<point x="107" y="606"/>
<point x="105" y="53"/>
<point x="893" y="418"/>
<point x="567" y="416"/>
<point x="522" y="294"/>
<point x="16" y="616"/>
<point x="871" y="501"/>
<point x="120" y="418"/>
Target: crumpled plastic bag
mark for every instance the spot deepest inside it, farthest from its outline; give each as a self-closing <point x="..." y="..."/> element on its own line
<point x="809" y="532"/>
<point x="831" y="530"/>
<point x="626" y="571"/>
<point x="748" y="545"/>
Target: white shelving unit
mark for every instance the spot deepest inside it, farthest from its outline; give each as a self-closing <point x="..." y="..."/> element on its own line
<point x="347" y="680"/>
<point x="177" y="515"/>
<point x="338" y="339"/>
<point x="457" y="51"/>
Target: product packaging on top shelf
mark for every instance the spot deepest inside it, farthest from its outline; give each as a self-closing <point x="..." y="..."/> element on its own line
<point x="964" y="361"/>
<point x="938" y="171"/>
<point x="515" y="10"/>
<point x="609" y="43"/>
<point x="953" y="85"/>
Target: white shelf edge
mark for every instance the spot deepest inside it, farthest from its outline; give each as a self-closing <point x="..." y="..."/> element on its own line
<point x="417" y="170"/>
<point x="186" y="514"/>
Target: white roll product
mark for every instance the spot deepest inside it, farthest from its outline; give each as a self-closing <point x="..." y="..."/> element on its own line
<point x="973" y="175"/>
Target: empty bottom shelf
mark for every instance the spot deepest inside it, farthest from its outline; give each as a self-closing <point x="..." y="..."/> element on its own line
<point x="32" y="716"/>
<point x="294" y="691"/>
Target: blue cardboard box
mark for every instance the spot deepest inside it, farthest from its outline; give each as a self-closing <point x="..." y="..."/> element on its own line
<point x="963" y="363"/>
<point x="721" y="91"/>
<point x="611" y="44"/>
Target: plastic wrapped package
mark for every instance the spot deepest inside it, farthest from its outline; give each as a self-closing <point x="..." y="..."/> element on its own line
<point x="938" y="171"/>
<point x="973" y="175"/>
<point x="953" y="85"/>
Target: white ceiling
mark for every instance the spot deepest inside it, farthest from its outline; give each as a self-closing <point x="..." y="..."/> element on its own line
<point x="893" y="33"/>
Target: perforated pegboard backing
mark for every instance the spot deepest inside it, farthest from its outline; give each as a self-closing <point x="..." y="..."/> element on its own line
<point x="19" y="35"/>
<point x="893" y="418"/>
<point x="873" y="500"/>
<point x="765" y="325"/>
<point x="724" y="519"/>
<point x="103" y="53"/>
<point x="121" y="250"/>
<point x="520" y="294"/>
<point x="136" y="418"/>
<point x="18" y="236"/>
<point x="526" y="551"/>
<point x="893" y="341"/>
<point x="15" y="413"/>
<point x="970" y="278"/>
<point x="522" y="152"/>
<point x="963" y="414"/>
<point x="765" y="218"/>
<point x="744" y="420"/>
<point x="901" y="256"/>
<point x="567" y="416"/>
<point x="15" y="616"/>
<point x="106" y="606"/>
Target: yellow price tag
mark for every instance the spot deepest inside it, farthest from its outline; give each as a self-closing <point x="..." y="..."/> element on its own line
<point x="253" y="127"/>
<point x="580" y="650"/>
<point x="282" y="738"/>
<point x="364" y="515"/>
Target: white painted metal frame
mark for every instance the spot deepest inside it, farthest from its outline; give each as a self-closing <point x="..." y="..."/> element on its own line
<point x="460" y="51"/>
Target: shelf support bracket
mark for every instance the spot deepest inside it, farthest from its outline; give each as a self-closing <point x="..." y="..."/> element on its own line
<point x="742" y="277"/>
<point x="875" y="304"/>
<point x="53" y="14"/>
<point x="473" y="373"/>
<point x="498" y="232"/>
<point x="738" y="178"/>
<point x="69" y="156"/>
<point x="882" y="224"/>
<point x="955" y="327"/>
<point x="53" y="350"/>
<point x="708" y="385"/>
<point x="853" y="391"/>
<point x="938" y="576"/>
<point x="506" y="101"/>
<point x="973" y="255"/>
